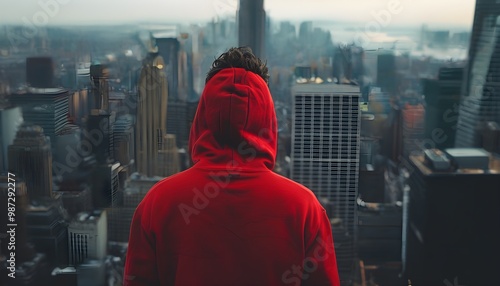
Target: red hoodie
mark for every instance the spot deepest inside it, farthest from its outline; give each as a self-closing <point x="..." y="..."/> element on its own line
<point x="230" y="220"/>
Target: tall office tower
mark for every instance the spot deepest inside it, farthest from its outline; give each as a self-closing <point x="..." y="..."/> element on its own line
<point x="105" y="185"/>
<point x="99" y="128"/>
<point x="481" y="98"/>
<point x="42" y="103"/>
<point x="168" y="50"/>
<point x="442" y="97"/>
<point x="24" y="252"/>
<point x="123" y="132"/>
<point x="452" y="224"/>
<point x="99" y="87"/>
<point x="386" y="72"/>
<point x="30" y="158"/>
<point x="88" y="237"/>
<point x="11" y="119"/>
<point x="78" y="106"/>
<point x="151" y="114"/>
<point x="46" y="107"/>
<point x="325" y="155"/>
<point x="306" y="31"/>
<point x="177" y="122"/>
<point x="252" y="26"/>
<point x="40" y="72"/>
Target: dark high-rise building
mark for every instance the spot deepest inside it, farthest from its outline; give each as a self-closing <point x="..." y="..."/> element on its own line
<point x="48" y="232"/>
<point x="325" y="156"/>
<point x="252" y="26"/>
<point x="99" y="87"/>
<point x="40" y="72"/>
<point x="386" y="71"/>
<point x="46" y="107"/>
<point x="481" y="96"/>
<point x="30" y="158"/>
<point x="99" y="127"/>
<point x="442" y="97"/>
<point x="306" y="31"/>
<point x="105" y="185"/>
<point x="151" y="115"/>
<point x="177" y="122"/>
<point x="168" y="49"/>
<point x="42" y="104"/>
<point x="10" y="120"/>
<point x="452" y="224"/>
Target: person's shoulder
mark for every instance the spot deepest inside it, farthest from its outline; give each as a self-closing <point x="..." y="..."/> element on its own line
<point x="168" y="185"/>
<point x="292" y="187"/>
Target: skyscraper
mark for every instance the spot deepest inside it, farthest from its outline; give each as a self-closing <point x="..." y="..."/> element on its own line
<point x="105" y="185"/>
<point x="386" y="71"/>
<point x="442" y="97"/>
<point x="100" y="87"/>
<point x="452" y="226"/>
<point x="46" y="107"/>
<point x="10" y="120"/>
<point x="325" y="154"/>
<point x="30" y="158"/>
<point x="480" y="96"/>
<point x="252" y="26"/>
<point x="151" y="115"/>
<point x="42" y="103"/>
<point x="87" y="237"/>
<point x="168" y="49"/>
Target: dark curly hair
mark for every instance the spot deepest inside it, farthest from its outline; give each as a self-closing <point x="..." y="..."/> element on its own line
<point x="241" y="57"/>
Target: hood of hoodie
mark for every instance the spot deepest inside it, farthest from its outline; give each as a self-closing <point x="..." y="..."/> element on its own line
<point x="235" y="125"/>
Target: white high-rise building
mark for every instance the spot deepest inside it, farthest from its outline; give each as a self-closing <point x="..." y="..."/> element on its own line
<point x="88" y="237"/>
<point x="325" y="154"/>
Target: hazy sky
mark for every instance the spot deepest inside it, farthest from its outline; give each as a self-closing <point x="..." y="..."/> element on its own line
<point x="405" y="12"/>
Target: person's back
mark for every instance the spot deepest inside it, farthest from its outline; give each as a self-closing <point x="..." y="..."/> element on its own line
<point x="230" y="220"/>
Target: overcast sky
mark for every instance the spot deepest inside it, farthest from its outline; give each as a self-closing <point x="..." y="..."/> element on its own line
<point x="437" y="13"/>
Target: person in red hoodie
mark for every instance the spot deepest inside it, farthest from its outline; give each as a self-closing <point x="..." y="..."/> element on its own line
<point x="229" y="219"/>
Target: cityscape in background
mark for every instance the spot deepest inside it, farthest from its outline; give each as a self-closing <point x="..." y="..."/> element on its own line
<point x="397" y="132"/>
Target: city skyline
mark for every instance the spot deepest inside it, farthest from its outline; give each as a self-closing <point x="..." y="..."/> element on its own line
<point x="399" y="12"/>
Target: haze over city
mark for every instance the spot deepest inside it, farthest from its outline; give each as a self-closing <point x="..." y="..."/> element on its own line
<point x="435" y="13"/>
